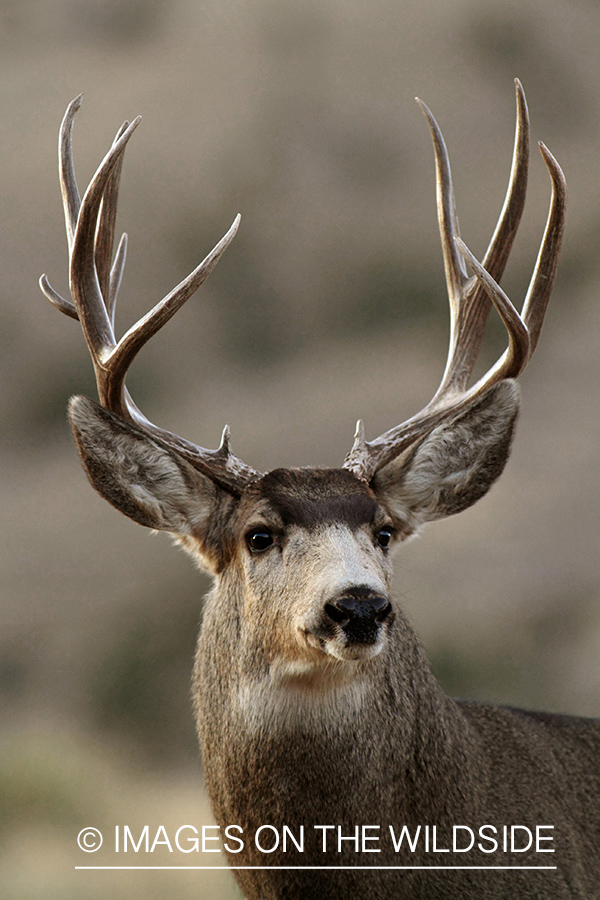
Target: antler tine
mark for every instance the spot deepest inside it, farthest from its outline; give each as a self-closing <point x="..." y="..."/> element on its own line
<point x="469" y="314"/>
<point x="64" y="306"/>
<point x="116" y="274"/>
<point x="94" y="286"/>
<point x="524" y="330"/>
<point x="105" y="233"/>
<point x="84" y="281"/>
<point x="538" y="294"/>
<point x="108" y="279"/>
<point x="469" y="303"/>
<point x="497" y="254"/>
<point x="456" y="275"/>
<point x="134" y="339"/>
<point x="514" y="359"/>
<point x="71" y="200"/>
<point x="68" y="181"/>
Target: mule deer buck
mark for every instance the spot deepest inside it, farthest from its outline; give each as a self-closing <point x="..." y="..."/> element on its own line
<point x="329" y="748"/>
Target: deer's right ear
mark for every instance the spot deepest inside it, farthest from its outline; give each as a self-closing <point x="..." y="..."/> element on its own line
<point x="455" y="465"/>
<point x="138" y="475"/>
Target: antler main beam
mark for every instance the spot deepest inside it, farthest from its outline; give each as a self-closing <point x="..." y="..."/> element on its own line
<point x="471" y="297"/>
<point x="94" y="284"/>
<point x="95" y="278"/>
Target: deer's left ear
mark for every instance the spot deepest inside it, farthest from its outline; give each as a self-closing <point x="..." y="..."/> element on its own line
<point x="454" y="465"/>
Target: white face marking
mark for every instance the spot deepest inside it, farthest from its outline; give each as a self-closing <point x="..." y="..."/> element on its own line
<point x="344" y="560"/>
<point x="316" y="672"/>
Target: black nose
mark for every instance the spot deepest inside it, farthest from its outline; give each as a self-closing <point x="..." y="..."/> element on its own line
<point x="359" y="613"/>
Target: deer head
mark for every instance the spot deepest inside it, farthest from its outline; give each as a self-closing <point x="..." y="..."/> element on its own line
<point x="302" y="555"/>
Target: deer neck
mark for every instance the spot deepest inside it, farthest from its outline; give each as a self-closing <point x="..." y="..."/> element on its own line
<point x="382" y="728"/>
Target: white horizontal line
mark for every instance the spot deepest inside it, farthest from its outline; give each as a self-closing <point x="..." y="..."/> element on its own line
<point x="300" y="868"/>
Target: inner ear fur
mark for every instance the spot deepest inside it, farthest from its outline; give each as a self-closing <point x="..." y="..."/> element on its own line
<point x="140" y="477"/>
<point x="454" y="465"/>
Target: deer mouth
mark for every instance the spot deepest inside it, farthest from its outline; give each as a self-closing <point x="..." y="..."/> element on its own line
<point x="338" y="646"/>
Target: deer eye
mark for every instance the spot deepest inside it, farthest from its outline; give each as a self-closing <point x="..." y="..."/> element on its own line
<point x="259" y="540"/>
<point x="383" y="537"/>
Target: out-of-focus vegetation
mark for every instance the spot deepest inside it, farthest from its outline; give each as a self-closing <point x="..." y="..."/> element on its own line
<point x="330" y="305"/>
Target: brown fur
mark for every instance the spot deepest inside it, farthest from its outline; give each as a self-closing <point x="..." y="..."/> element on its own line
<point x="314" y="702"/>
<point x="301" y="724"/>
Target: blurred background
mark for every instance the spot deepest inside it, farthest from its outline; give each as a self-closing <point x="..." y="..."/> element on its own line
<point x="329" y="305"/>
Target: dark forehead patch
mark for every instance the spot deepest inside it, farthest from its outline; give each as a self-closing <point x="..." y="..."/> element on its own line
<point x="313" y="497"/>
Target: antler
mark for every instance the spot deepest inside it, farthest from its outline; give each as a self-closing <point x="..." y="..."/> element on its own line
<point x="471" y="298"/>
<point x="94" y="285"/>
